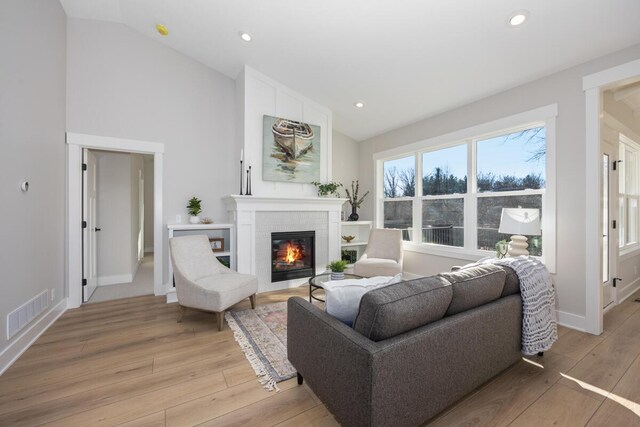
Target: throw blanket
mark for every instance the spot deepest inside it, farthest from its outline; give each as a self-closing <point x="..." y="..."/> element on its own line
<point x="539" y="329"/>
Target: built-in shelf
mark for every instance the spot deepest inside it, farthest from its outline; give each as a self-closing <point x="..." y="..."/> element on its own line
<point x="360" y="230"/>
<point x="352" y="243"/>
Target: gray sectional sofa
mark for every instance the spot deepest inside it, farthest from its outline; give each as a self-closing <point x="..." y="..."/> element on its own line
<point x="415" y="348"/>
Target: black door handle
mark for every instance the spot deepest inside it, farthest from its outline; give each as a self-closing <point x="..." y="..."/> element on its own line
<point x="96" y="229"/>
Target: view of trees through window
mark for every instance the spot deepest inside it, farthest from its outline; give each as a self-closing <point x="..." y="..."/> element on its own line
<point x="512" y="162"/>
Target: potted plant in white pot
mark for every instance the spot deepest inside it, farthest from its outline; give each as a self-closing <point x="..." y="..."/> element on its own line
<point x="337" y="269"/>
<point x="329" y="189"/>
<point x="194" y="208"/>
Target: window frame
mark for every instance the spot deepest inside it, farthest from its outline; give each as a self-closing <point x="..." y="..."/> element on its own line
<point x="544" y="116"/>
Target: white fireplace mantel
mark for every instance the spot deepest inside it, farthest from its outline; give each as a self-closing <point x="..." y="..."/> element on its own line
<point x="244" y="210"/>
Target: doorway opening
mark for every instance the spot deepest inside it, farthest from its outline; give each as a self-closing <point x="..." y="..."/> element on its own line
<point x="117" y="225"/>
<point x="613" y="189"/>
<point x="145" y="236"/>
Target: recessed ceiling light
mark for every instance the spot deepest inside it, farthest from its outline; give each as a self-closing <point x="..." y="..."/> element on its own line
<point x="245" y="36"/>
<point x="518" y="18"/>
<point x="162" y="30"/>
<point x="359" y="104"/>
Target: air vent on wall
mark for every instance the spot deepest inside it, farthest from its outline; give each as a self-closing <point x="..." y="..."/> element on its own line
<point x="23" y="315"/>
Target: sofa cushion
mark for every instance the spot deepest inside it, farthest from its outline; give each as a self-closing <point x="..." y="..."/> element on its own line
<point x="343" y="296"/>
<point x="395" y="309"/>
<point x="474" y="286"/>
<point x="511" y="283"/>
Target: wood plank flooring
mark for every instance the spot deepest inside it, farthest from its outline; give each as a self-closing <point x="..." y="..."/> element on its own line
<point x="127" y="362"/>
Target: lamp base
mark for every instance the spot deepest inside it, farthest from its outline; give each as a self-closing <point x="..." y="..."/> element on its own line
<point x="518" y="246"/>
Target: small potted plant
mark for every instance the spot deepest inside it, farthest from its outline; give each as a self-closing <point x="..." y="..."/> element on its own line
<point x="337" y="269"/>
<point x="502" y="247"/>
<point x="194" y="208"/>
<point x="354" y="201"/>
<point x="328" y="189"/>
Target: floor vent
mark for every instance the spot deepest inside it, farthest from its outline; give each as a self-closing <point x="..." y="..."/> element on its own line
<point x="23" y="315"/>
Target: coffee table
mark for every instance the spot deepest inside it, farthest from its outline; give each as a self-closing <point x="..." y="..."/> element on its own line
<point x="317" y="281"/>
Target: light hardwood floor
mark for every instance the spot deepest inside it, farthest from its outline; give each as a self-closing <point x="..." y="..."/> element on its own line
<point x="128" y="362"/>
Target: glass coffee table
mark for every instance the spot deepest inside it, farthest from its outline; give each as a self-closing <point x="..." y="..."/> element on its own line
<point x="316" y="282"/>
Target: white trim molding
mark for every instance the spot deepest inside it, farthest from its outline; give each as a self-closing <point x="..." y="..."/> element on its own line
<point x="593" y="86"/>
<point x="20" y="344"/>
<point x="76" y="142"/>
<point x="571" y="320"/>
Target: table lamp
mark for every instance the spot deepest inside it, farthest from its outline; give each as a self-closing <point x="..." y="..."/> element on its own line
<point x="519" y="222"/>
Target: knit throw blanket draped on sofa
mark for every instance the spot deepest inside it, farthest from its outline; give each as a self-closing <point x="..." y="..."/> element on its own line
<point x="539" y="328"/>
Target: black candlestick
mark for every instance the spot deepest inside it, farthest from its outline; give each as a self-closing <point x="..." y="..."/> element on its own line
<point x="241" y="177"/>
<point x="250" y="181"/>
<point x="248" y="194"/>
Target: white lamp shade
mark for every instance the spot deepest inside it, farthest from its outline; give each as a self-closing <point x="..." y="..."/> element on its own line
<point x="519" y="221"/>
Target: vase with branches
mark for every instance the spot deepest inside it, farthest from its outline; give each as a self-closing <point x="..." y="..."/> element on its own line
<point x="354" y="201"/>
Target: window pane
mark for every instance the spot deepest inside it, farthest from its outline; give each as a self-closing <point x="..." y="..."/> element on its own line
<point x="630" y="172"/>
<point x="445" y="171"/>
<point x="623" y="218"/>
<point x="399" y="215"/>
<point x="443" y="222"/>
<point x="400" y="178"/>
<point x="489" y="212"/>
<point x="515" y="161"/>
<point x="632" y="220"/>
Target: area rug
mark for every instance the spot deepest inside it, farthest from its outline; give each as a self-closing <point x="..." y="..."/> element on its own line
<point x="262" y="335"/>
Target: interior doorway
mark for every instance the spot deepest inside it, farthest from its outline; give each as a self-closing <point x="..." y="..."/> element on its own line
<point x="612" y="245"/>
<point x="76" y="144"/>
<point x="117" y="252"/>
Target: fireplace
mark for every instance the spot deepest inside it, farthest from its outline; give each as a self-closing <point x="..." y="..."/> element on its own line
<point x="292" y="255"/>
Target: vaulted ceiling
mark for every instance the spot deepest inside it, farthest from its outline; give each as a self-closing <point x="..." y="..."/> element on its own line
<point x="405" y="59"/>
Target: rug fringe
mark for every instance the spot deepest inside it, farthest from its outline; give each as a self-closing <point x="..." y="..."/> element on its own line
<point x="262" y="373"/>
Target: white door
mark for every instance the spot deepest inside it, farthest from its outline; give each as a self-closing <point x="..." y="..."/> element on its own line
<point x="609" y="195"/>
<point x="90" y="232"/>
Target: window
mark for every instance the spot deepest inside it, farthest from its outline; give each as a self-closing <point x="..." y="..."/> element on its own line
<point x="452" y="193"/>
<point x="628" y="194"/>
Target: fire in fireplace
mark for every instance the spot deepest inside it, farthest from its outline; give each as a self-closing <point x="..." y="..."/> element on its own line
<point x="292" y="255"/>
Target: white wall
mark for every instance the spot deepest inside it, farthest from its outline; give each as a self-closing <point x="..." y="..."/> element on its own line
<point x="148" y="203"/>
<point x="258" y="95"/>
<point x="126" y="85"/>
<point x="136" y="173"/>
<point x="345" y="163"/>
<point x="114" y="217"/>
<point x="563" y="88"/>
<point x="32" y="127"/>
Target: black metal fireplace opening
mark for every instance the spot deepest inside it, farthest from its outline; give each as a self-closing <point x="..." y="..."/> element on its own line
<point x="293" y="255"/>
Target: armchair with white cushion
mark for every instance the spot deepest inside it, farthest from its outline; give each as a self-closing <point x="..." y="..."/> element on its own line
<point x="383" y="255"/>
<point x="202" y="282"/>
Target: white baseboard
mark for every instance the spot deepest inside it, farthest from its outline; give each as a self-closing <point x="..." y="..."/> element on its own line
<point x="571" y="320"/>
<point x="116" y="279"/>
<point x="20" y="344"/>
<point x="627" y="291"/>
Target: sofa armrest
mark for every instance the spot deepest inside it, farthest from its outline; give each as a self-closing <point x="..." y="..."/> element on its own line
<point x="335" y="360"/>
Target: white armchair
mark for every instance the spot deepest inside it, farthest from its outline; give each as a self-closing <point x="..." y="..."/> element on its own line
<point x="205" y="284"/>
<point x="383" y="255"/>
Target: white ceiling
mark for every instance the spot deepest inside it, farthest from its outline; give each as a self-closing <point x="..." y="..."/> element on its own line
<point x="406" y="59"/>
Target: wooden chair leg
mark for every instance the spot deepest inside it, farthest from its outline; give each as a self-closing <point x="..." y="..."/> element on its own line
<point x="181" y="311"/>
<point x="220" y="318"/>
<point x="252" y="298"/>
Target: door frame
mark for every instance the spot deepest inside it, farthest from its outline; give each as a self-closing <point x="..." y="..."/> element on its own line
<point x="611" y="150"/>
<point x="75" y="144"/>
<point x="593" y="86"/>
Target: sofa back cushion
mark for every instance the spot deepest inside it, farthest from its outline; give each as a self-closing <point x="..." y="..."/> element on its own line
<point x="395" y="309"/>
<point x="474" y="286"/>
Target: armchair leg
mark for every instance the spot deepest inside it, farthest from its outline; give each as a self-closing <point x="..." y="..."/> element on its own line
<point x="181" y="311"/>
<point x="300" y="379"/>
<point x="252" y="298"/>
<point x="220" y="319"/>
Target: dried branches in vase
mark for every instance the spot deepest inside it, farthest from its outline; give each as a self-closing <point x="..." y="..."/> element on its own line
<point x="354" y="201"/>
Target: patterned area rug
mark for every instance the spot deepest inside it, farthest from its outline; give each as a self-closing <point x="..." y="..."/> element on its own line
<point x="262" y="335"/>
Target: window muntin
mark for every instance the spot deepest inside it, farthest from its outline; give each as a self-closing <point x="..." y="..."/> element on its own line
<point x="512" y="162"/>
